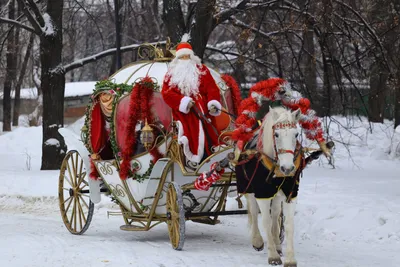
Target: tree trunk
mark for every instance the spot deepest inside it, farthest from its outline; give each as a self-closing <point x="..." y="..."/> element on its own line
<point x="11" y="65"/>
<point x="377" y="87"/>
<point x="173" y="20"/>
<point x="53" y="86"/>
<point x="326" y="51"/>
<point x="203" y="26"/>
<point x="379" y="70"/>
<point x="310" y="69"/>
<point x="17" y="98"/>
<point x="397" y="102"/>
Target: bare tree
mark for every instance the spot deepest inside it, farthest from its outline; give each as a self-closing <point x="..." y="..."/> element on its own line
<point x="11" y="57"/>
<point x="48" y="26"/>
<point x="17" y="98"/>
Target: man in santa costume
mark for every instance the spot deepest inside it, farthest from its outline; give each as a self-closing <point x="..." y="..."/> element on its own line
<point x="194" y="97"/>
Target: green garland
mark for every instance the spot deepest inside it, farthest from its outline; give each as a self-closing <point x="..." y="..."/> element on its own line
<point x="141" y="177"/>
<point x="118" y="90"/>
<point x="114" y="88"/>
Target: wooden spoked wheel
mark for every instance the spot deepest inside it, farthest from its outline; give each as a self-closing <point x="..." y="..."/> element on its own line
<point x="175" y="216"/>
<point x="73" y="194"/>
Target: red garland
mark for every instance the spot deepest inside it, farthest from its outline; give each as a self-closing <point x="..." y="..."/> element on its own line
<point x="139" y="108"/>
<point x="234" y="87"/>
<point x="94" y="174"/>
<point x="268" y="90"/>
<point x="265" y="89"/>
<point x="313" y="127"/>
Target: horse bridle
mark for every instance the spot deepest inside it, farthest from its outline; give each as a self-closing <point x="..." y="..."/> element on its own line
<point x="282" y="125"/>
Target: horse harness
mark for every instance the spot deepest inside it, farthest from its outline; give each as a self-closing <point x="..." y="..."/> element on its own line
<point x="268" y="188"/>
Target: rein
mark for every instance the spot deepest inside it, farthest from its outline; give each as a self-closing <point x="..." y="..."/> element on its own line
<point x="203" y="118"/>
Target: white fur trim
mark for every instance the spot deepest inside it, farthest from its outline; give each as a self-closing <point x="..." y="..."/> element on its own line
<point x="216" y="104"/>
<point x="183" y="106"/>
<point x="185" y="142"/>
<point x="184" y="51"/>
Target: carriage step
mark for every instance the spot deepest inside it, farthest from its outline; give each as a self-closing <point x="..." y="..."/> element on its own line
<point x="128" y="227"/>
<point x="206" y="221"/>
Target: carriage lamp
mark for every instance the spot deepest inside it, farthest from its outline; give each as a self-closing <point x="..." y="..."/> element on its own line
<point x="147" y="136"/>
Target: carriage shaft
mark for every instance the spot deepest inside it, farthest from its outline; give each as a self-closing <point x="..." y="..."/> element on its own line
<point x="190" y="215"/>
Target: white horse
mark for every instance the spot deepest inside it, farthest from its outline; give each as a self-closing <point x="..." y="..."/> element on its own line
<point x="278" y="135"/>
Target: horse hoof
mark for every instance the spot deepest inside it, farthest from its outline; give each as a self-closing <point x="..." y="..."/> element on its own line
<point x="259" y="248"/>
<point x="275" y="261"/>
<point x="290" y="265"/>
<point x="279" y="252"/>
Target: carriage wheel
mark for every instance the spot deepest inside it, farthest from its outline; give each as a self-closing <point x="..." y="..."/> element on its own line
<point x="175" y="216"/>
<point x="73" y="194"/>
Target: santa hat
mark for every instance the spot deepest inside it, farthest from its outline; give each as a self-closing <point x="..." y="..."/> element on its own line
<point x="184" y="48"/>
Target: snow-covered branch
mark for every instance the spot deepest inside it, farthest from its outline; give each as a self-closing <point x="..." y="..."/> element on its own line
<point x="226" y="14"/>
<point x="38" y="15"/>
<point x="108" y="52"/>
<point x="18" y="24"/>
<point x="267" y="35"/>
<point x="26" y="9"/>
<point x="369" y="28"/>
<point x="223" y="52"/>
<point x="239" y="7"/>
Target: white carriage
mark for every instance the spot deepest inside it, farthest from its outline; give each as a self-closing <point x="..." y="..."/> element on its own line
<point x="163" y="192"/>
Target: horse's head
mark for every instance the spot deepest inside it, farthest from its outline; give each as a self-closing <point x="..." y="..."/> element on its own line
<point x="279" y="137"/>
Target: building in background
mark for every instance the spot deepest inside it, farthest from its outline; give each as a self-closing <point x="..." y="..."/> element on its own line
<point x="77" y="96"/>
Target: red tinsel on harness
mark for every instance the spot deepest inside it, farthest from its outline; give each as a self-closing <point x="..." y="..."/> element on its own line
<point x="139" y="109"/>
<point x="236" y="97"/>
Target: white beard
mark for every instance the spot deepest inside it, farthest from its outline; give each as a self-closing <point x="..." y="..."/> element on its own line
<point x="185" y="74"/>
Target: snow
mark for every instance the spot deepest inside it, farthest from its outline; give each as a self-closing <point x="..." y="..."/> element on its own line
<point x="48" y="28"/>
<point x="71" y="89"/>
<point x="52" y="142"/>
<point x="346" y="216"/>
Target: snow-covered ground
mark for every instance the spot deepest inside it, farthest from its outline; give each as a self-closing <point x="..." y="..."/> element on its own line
<point x="347" y="216"/>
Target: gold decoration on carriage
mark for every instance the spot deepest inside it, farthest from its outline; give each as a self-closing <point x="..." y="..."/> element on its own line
<point x="156" y="52"/>
<point x="147" y="136"/>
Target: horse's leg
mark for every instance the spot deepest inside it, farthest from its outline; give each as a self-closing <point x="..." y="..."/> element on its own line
<point x="288" y="211"/>
<point x="275" y="213"/>
<point x="265" y="206"/>
<point x="252" y="212"/>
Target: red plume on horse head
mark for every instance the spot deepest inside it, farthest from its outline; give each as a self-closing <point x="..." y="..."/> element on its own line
<point x="270" y="90"/>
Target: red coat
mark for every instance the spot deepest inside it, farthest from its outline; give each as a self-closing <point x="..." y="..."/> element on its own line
<point x="194" y="134"/>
